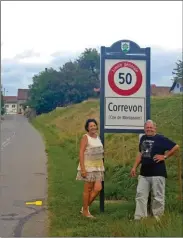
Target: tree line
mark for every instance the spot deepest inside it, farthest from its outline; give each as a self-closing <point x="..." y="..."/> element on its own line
<point x="178" y="72"/>
<point x="72" y="83"/>
<point x="2" y="102"/>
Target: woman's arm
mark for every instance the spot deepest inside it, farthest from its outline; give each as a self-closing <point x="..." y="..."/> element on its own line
<point x="83" y="145"/>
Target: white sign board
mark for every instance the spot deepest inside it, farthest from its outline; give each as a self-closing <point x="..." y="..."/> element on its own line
<point x="125" y="94"/>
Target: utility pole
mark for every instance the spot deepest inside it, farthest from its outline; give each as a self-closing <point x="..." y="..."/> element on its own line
<point x="5" y="91"/>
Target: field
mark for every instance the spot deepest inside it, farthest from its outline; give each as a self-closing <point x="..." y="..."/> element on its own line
<point x="62" y="130"/>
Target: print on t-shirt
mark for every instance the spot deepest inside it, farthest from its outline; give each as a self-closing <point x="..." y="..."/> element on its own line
<point x="146" y="148"/>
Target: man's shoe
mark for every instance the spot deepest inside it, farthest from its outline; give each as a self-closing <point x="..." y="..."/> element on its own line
<point x="157" y="218"/>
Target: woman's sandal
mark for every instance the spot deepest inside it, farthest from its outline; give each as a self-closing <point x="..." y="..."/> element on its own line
<point x="81" y="211"/>
<point x="89" y="215"/>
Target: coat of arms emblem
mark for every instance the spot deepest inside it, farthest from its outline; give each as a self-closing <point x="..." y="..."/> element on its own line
<point x="125" y="46"/>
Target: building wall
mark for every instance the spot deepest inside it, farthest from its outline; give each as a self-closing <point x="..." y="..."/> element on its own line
<point x="20" y="108"/>
<point x="178" y="88"/>
<point x="160" y="91"/>
<point x="11" y="108"/>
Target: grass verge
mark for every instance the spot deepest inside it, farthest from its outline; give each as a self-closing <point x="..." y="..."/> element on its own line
<point x="62" y="130"/>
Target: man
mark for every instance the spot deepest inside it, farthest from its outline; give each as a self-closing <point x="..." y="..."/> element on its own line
<point x="154" y="149"/>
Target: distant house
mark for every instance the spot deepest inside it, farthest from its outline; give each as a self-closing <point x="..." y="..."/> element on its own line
<point x="22" y="98"/>
<point x="159" y="90"/>
<point x="11" y="104"/>
<point x="177" y="87"/>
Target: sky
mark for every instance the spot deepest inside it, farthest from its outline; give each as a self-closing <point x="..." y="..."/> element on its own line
<point x="36" y="34"/>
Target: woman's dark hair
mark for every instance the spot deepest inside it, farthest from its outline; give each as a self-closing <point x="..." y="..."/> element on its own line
<point x="88" y="122"/>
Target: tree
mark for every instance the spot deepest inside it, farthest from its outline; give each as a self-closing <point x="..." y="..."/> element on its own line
<point x="178" y="72"/>
<point x="2" y="104"/>
<point x="73" y="83"/>
<point x="44" y="91"/>
<point x="90" y="60"/>
<point x="77" y="82"/>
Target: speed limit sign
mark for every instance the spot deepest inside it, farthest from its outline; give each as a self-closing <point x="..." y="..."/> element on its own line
<point x="127" y="75"/>
<point x="125" y="87"/>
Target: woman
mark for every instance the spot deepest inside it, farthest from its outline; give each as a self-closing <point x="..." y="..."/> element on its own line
<point x="91" y="167"/>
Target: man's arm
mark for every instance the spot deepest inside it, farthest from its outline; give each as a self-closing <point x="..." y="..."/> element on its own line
<point x="168" y="154"/>
<point x="172" y="151"/>
<point x="137" y="160"/>
<point x="136" y="164"/>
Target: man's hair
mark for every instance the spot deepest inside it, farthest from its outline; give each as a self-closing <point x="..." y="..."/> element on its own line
<point x="151" y="121"/>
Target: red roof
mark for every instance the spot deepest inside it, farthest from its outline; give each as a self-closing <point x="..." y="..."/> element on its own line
<point x="10" y="99"/>
<point x="153" y="85"/>
<point x="23" y="94"/>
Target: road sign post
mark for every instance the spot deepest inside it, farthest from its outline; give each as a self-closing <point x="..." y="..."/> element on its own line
<point x="124" y="90"/>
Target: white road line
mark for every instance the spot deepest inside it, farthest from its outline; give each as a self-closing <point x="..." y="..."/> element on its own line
<point x="7" y="141"/>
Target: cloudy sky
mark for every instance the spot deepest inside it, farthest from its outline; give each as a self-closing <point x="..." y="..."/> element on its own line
<point x="35" y="35"/>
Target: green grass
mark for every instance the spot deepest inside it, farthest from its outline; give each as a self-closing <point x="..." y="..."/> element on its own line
<point x="62" y="130"/>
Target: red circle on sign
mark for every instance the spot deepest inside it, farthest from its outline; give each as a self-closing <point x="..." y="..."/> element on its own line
<point x="120" y="91"/>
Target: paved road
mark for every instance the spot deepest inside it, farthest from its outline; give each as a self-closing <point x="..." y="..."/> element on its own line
<point x="23" y="177"/>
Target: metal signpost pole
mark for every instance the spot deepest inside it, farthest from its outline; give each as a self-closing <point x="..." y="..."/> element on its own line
<point x="124" y="90"/>
<point x="102" y="73"/>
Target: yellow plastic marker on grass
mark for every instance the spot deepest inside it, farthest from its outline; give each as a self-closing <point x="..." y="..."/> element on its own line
<point x="36" y="203"/>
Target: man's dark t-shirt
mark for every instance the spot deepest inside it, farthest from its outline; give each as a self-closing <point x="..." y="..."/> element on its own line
<point x="149" y="146"/>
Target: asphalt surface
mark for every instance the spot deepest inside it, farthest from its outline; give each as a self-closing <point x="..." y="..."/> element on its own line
<point x="23" y="178"/>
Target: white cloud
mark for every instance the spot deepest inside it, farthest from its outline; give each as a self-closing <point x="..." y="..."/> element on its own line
<point x="36" y="34"/>
<point x="37" y="60"/>
<point x="50" y="26"/>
